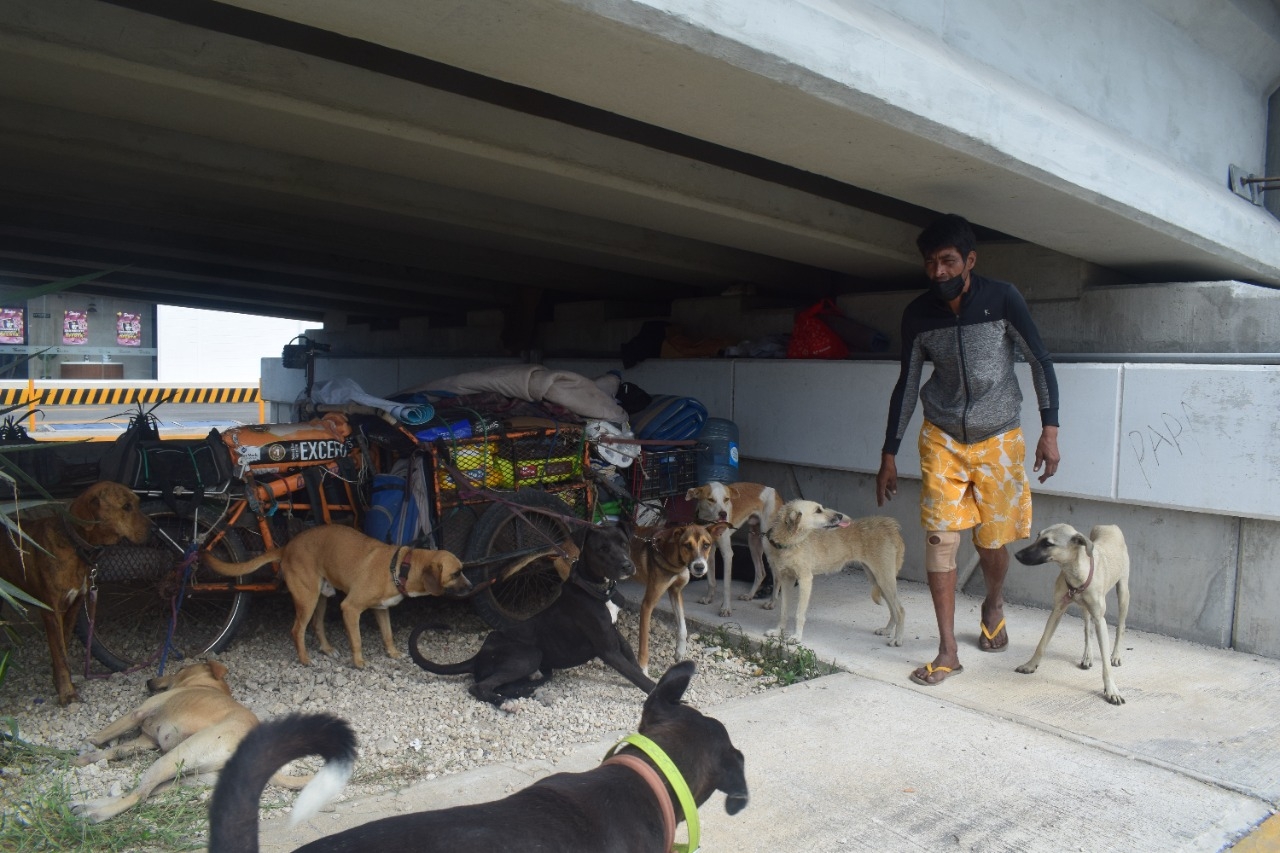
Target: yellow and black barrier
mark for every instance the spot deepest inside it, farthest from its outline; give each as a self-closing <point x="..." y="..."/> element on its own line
<point x="85" y="396"/>
<point x="35" y="393"/>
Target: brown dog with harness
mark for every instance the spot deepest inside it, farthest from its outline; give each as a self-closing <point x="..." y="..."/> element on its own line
<point x="666" y="558"/>
<point x="374" y="575"/>
<point x="58" y="572"/>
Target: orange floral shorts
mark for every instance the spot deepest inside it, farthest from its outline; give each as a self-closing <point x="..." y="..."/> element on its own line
<point x="982" y="485"/>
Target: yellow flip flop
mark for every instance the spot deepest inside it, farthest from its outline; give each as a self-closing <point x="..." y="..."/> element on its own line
<point x="991" y="638"/>
<point x="930" y="669"/>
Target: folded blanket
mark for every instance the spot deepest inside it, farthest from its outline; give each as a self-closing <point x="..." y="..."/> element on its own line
<point x="531" y="382"/>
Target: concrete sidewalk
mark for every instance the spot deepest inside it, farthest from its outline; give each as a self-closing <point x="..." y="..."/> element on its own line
<point x="991" y="760"/>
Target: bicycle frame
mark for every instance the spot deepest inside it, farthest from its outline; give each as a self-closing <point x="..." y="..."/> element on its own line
<point x="269" y="493"/>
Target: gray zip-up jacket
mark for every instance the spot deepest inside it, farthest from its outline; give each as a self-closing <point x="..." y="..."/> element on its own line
<point x="973" y="393"/>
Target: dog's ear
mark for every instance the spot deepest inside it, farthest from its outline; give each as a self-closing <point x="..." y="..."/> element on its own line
<point x="716" y="529"/>
<point x="433" y="569"/>
<point x="219" y="671"/>
<point x="692" y="494"/>
<point x="672" y="685"/>
<point x="733" y="780"/>
<point x="791" y="520"/>
<point x="1082" y="541"/>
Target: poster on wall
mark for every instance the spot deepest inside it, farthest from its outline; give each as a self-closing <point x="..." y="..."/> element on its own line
<point x="75" y="328"/>
<point x="128" y="329"/>
<point x="12" y="327"/>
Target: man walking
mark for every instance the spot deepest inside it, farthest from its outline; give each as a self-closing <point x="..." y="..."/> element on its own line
<point x="971" y="445"/>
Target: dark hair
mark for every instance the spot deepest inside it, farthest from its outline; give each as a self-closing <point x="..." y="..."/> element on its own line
<point x="946" y="231"/>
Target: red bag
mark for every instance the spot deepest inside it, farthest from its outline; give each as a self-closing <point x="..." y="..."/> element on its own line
<point x="812" y="338"/>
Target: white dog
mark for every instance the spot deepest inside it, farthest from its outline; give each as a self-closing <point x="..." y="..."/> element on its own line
<point x="804" y="539"/>
<point x="1090" y="568"/>
<point x="737" y="503"/>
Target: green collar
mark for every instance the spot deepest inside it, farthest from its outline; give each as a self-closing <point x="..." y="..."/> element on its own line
<point x="676" y="780"/>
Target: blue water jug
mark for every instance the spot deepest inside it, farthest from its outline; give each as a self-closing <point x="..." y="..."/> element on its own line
<point x="718" y="454"/>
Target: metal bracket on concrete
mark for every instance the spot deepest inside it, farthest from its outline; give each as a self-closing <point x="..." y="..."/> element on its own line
<point x="1250" y="186"/>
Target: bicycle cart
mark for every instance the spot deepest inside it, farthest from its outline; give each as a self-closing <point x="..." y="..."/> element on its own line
<point x="502" y="501"/>
<point x="243" y="491"/>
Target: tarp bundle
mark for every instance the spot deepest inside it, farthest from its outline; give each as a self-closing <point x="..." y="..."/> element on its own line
<point x="338" y="391"/>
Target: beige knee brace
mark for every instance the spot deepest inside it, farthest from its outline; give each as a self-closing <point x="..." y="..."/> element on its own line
<point x="940" y="548"/>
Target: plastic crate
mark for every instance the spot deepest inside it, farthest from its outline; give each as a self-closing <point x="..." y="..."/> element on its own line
<point x="664" y="473"/>
<point x="510" y="460"/>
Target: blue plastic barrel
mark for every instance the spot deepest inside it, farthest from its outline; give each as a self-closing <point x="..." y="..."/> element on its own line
<point x="718" y="456"/>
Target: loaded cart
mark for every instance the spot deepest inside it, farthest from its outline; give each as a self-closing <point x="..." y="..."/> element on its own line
<point x="502" y="495"/>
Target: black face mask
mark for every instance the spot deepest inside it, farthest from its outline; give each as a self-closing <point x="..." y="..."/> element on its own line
<point x="947" y="290"/>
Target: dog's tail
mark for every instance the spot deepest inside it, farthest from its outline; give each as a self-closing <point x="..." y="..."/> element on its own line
<point x="235" y="570"/>
<point x="233" y="810"/>
<point x="466" y="667"/>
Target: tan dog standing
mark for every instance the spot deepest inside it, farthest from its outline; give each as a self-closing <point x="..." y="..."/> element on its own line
<point x="665" y="559"/>
<point x="103" y="514"/>
<point x="1090" y="568"/>
<point x="192" y="719"/>
<point x="373" y="575"/>
<point x="739" y="504"/>
<point x="806" y="539"/>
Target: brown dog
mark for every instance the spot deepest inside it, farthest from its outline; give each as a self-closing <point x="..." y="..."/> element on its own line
<point x="372" y="574"/>
<point x="58" y="576"/>
<point x="749" y="504"/>
<point x="665" y="559"/>
<point x="192" y="719"/>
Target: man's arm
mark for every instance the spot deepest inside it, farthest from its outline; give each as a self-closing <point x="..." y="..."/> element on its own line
<point x="1047" y="452"/>
<point x="906" y="388"/>
<point x="886" y="479"/>
<point x="1037" y="355"/>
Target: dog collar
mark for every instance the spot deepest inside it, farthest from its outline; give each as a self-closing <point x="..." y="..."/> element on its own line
<point x="1073" y="591"/>
<point x="601" y="591"/>
<point x="670" y="568"/>
<point x="674" y="778"/>
<point x="775" y="544"/>
<point x="85" y="550"/>
<point x="400" y="568"/>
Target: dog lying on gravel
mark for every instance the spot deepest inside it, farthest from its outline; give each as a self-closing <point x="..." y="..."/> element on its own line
<point x="192" y="719"/>
<point x="621" y="806"/>
<point x="58" y="576"/>
<point x="575" y="628"/>
<point x="374" y="575"/>
<point x="806" y="539"/>
<point x="1090" y="568"/>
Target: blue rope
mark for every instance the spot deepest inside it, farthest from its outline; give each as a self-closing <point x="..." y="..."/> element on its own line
<point x="188" y="566"/>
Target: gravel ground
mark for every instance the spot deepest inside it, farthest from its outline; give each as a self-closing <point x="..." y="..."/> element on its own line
<point x="411" y="725"/>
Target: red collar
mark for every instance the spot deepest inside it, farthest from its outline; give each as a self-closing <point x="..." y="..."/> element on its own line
<point x="648" y="774"/>
<point x="1073" y="591"/>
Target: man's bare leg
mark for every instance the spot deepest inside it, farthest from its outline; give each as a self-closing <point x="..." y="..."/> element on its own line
<point x="995" y="566"/>
<point x="942" y="588"/>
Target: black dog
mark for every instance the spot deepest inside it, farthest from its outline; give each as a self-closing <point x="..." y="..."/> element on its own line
<point x="573" y="629"/>
<point x="610" y="809"/>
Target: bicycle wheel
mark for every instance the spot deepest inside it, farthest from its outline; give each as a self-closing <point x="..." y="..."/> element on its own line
<point x="499" y="531"/>
<point x="136" y="594"/>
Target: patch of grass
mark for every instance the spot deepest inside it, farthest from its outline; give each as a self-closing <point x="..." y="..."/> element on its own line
<point x="35" y="808"/>
<point x="786" y="662"/>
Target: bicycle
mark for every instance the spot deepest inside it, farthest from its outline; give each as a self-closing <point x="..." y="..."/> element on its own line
<point x="249" y="489"/>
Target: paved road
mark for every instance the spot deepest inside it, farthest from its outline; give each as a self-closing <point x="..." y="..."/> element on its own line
<point x="106" y="422"/>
